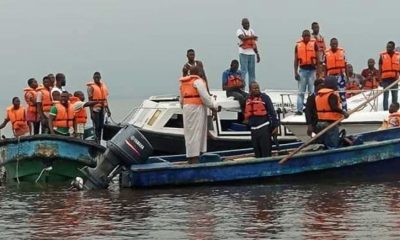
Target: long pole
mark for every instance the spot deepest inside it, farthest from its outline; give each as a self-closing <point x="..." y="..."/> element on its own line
<point x="336" y="123"/>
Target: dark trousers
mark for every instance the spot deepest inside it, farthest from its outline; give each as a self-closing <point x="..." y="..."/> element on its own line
<point x="45" y="127"/>
<point x="98" y="123"/>
<point x="35" y="127"/>
<point x="394" y="89"/>
<point x="261" y="140"/>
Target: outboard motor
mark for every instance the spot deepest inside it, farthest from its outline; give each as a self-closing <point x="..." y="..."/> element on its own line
<point x="127" y="147"/>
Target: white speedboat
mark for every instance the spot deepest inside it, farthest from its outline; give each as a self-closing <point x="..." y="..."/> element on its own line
<point x="160" y="120"/>
<point x="367" y="119"/>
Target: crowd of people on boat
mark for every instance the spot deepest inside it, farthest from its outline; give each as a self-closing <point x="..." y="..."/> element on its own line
<point x="321" y="71"/>
<point x="51" y="109"/>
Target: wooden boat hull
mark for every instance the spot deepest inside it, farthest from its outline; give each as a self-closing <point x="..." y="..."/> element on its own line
<point x="378" y="156"/>
<point x="47" y="158"/>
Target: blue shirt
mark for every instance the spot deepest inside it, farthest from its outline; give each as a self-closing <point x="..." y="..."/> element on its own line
<point x="227" y="73"/>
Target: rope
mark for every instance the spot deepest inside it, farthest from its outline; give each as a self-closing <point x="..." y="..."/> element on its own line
<point x="18" y="152"/>
<point x="44" y="169"/>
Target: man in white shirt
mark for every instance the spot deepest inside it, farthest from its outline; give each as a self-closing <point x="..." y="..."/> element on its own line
<point x="248" y="52"/>
<point x="58" y="87"/>
<point x="195" y="100"/>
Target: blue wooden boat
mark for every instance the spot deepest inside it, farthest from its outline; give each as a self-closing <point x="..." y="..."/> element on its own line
<point x="47" y="158"/>
<point x="372" y="154"/>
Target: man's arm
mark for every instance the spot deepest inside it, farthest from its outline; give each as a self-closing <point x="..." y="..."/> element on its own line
<point x="224" y="81"/>
<point x="273" y="118"/>
<point x="333" y="100"/>
<point x="4" y="123"/>
<point x="208" y="100"/>
<point x="380" y="68"/>
<point x="51" y="119"/>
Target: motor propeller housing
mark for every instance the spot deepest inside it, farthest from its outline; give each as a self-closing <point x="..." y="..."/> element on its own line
<point x="126" y="148"/>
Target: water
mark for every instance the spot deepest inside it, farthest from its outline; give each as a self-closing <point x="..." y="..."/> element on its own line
<point x="328" y="210"/>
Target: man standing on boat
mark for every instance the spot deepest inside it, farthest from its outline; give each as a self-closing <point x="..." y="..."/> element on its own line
<point x="320" y="42"/>
<point x="371" y="76"/>
<point x="195" y="100"/>
<point x="311" y="110"/>
<point x="335" y="62"/>
<point x="389" y="66"/>
<point x="329" y="110"/>
<point x="233" y="83"/>
<point x="61" y="119"/>
<point x="44" y="104"/>
<point x="262" y="119"/>
<point x="32" y="113"/>
<point x="190" y="54"/>
<point x="248" y="51"/>
<point x="17" y="116"/>
<point x="98" y="91"/>
<point x="305" y="58"/>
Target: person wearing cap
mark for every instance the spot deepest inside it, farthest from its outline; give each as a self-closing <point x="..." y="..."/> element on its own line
<point x="311" y="110"/>
<point x="329" y="110"/>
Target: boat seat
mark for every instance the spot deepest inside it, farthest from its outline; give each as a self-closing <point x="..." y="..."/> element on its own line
<point x="210" y="157"/>
<point x="238" y="127"/>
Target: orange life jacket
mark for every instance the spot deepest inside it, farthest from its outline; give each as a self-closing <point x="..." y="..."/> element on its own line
<point x="248" y="43"/>
<point x="81" y="115"/>
<point x="335" y="61"/>
<point x="30" y="99"/>
<point x="255" y="106"/>
<point x="188" y="91"/>
<point x="394" y="119"/>
<point x="64" y="117"/>
<point x="18" y="120"/>
<point x="234" y="80"/>
<point x="46" y="99"/>
<point x="390" y="65"/>
<point x="324" y="110"/>
<point x="100" y="93"/>
<point x="306" y="54"/>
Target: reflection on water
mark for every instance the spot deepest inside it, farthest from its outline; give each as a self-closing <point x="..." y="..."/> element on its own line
<point x="305" y="211"/>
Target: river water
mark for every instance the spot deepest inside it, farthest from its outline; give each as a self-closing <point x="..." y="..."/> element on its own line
<point x="320" y="210"/>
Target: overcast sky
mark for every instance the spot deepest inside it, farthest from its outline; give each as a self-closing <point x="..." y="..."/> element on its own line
<point x="140" y="46"/>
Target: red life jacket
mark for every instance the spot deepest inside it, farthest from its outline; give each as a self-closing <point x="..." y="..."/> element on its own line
<point x="255" y="106"/>
<point x="306" y="54"/>
<point x="234" y="81"/>
<point x="249" y="43"/>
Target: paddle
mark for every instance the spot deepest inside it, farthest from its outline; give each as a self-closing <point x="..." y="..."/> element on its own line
<point x="336" y="123"/>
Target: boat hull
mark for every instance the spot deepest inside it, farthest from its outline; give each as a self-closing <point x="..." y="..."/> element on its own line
<point x="379" y="157"/>
<point x="47" y="158"/>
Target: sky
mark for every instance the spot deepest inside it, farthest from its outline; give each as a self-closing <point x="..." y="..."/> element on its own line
<point x="140" y="46"/>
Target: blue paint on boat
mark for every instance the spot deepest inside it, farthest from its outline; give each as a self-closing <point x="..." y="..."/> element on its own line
<point x="374" y="149"/>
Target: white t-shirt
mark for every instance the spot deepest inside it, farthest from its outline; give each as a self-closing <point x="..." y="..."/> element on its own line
<point x="54" y="89"/>
<point x="250" y="32"/>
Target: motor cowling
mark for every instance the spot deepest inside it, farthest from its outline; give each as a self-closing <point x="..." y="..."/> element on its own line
<point x="126" y="148"/>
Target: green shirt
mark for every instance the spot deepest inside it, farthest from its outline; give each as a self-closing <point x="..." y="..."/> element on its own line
<point x="59" y="130"/>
